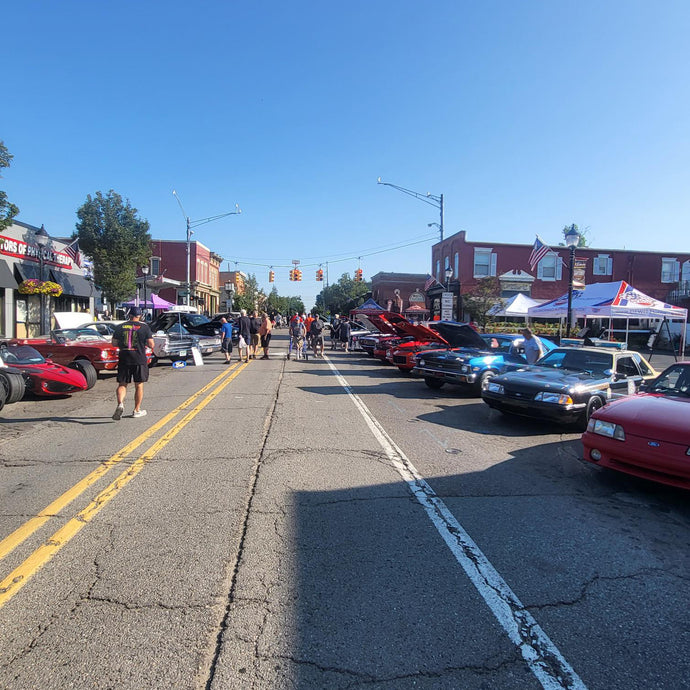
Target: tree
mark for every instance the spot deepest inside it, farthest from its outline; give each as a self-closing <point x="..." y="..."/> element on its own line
<point x="584" y="235"/>
<point x="253" y="296"/>
<point x="7" y="209"/>
<point x="485" y="294"/>
<point x="117" y="241"/>
<point x="337" y="298"/>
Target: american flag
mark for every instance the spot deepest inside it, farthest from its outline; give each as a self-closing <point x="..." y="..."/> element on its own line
<point x="539" y="251"/>
<point x="430" y="280"/>
<point x="72" y="250"/>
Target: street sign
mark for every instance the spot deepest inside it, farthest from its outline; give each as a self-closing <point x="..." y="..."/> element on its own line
<point x="446" y="306"/>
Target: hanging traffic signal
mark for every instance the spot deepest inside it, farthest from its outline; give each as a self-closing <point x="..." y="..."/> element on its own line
<point x="292" y="274"/>
<point x="298" y="274"/>
<point x="358" y="275"/>
<point x="271" y="276"/>
<point x="319" y="275"/>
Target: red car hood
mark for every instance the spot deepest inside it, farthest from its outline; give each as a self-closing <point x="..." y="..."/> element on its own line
<point x="658" y="417"/>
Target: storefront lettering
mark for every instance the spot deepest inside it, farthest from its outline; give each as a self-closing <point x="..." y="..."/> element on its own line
<point x="22" y="250"/>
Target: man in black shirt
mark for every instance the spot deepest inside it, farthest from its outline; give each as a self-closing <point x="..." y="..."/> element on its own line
<point x="132" y="337"/>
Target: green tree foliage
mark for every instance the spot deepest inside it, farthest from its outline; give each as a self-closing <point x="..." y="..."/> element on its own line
<point x="117" y="241"/>
<point x="253" y="296"/>
<point x="584" y="235"/>
<point x="7" y="209"/>
<point x="485" y="294"/>
<point x="340" y="297"/>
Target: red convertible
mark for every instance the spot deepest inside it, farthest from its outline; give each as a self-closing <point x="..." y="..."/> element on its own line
<point x="23" y="369"/>
<point x="648" y="434"/>
<point x="78" y="348"/>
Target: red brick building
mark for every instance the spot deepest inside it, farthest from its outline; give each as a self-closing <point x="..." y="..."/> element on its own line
<point x="400" y="292"/>
<point x="663" y="275"/>
<point x="169" y="262"/>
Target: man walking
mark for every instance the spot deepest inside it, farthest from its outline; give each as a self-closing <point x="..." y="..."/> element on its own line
<point x="533" y="346"/>
<point x="265" y="333"/>
<point x="254" y="328"/>
<point x="244" y="324"/>
<point x="316" y="335"/>
<point x="226" y="334"/>
<point x="132" y="337"/>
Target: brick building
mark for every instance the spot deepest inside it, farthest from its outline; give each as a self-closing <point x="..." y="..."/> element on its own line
<point x="662" y="275"/>
<point x="400" y="292"/>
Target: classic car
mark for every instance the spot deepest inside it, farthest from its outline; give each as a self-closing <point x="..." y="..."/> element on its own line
<point x="230" y="319"/>
<point x="646" y="435"/>
<point x="568" y="384"/>
<point x="39" y="375"/>
<point x="79" y="348"/>
<point x="473" y="364"/>
<point x="188" y="323"/>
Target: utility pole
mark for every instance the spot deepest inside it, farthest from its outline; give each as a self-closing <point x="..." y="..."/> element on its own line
<point x="428" y="198"/>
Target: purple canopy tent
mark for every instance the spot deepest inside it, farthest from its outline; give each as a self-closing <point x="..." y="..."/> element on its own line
<point x="154" y="302"/>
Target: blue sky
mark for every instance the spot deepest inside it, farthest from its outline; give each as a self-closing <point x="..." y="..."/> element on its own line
<point x="527" y="116"/>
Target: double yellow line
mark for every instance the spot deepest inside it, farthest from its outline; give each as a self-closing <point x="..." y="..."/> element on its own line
<point x="20" y="575"/>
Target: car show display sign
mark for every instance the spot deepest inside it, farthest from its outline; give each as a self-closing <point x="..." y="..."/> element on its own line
<point x="446" y="306"/>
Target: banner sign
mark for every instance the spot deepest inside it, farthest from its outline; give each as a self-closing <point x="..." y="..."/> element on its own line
<point x="22" y="250"/>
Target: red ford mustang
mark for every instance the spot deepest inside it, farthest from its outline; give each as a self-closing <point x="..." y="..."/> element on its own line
<point x="646" y="435"/>
<point x="41" y="376"/>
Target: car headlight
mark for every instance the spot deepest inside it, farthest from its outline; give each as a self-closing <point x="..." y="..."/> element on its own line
<point x="494" y="388"/>
<point x="421" y="362"/>
<point x="608" y="429"/>
<point x="464" y="368"/>
<point x="557" y="398"/>
<point x="105" y="354"/>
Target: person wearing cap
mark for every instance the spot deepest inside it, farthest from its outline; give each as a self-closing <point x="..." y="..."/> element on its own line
<point x="132" y="337"/>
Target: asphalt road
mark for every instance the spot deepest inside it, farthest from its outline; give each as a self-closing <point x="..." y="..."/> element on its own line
<point x="327" y="524"/>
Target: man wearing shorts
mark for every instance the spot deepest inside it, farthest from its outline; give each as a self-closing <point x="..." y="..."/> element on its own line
<point x="132" y="337"/>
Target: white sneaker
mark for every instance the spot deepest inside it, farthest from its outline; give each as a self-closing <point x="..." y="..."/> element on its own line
<point x="139" y="413"/>
<point x="119" y="411"/>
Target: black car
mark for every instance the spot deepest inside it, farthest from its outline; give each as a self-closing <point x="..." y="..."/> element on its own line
<point x="568" y="384"/>
<point x="216" y="321"/>
<point x="196" y="324"/>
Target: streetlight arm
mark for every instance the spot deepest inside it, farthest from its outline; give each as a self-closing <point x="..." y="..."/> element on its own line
<point x="195" y="223"/>
<point x="426" y="198"/>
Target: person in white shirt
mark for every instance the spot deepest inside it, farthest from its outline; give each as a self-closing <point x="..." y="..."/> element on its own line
<point x="533" y="346"/>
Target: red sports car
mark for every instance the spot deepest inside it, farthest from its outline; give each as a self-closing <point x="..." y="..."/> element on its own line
<point x="648" y="434"/>
<point x="40" y="376"/>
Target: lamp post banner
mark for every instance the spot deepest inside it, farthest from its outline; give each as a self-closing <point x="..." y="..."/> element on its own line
<point x="446" y="306"/>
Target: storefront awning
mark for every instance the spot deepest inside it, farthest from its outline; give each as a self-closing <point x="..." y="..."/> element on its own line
<point x="73" y="284"/>
<point x="27" y="272"/>
<point x="6" y="278"/>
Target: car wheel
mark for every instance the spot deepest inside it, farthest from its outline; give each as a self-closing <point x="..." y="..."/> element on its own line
<point x="14" y="386"/>
<point x="479" y="383"/>
<point x="87" y="369"/>
<point x="3" y="397"/>
<point x="434" y="384"/>
<point x="595" y="403"/>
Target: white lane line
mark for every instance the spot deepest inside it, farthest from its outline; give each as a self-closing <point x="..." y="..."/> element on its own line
<point x="541" y="654"/>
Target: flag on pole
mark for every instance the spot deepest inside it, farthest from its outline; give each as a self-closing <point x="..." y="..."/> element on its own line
<point x="430" y="280"/>
<point x="72" y="250"/>
<point x="539" y="251"/>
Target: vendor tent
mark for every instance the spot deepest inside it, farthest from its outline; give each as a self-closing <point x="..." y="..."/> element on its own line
<point x="368" y="307"/>
<point x="153" y="302"/>
<point x="517" y="306"/>
<point x="617" y="300"/>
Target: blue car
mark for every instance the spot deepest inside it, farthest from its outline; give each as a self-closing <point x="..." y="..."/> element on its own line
<point x="493" y="354"/>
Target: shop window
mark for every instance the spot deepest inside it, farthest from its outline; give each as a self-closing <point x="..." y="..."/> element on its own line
<point x="484" y="263"/>
<point x="438" y="271"/>
<point x="550" y="267"/>
<point x="603" y="265"/>
<point x="456" y="271"/>
<point x="155" y="265"/>
<point x="670" y="270"/>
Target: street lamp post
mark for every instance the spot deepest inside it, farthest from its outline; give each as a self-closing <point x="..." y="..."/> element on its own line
<point x="572" y="238"/>
<point x="192" y="224"/>
<point x="427" y="198"/>
<point x="145" y="272"/>
<point x="42" y="239"/>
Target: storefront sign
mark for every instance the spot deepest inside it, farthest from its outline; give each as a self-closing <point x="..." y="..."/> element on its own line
<point x="446" y="306"/>
<point x="516" y="286"/>
<point x="579" y="272"/>
<point x="22" y="250"/>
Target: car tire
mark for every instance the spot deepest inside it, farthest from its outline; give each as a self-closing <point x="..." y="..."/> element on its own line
<point x="434" y="384"/>
<point x="595" y="403"/>
<point x="479" y="383"/>
<point x="14" y="386"/>
<point x="3" y="397"/>
<point x="87" y="369"/>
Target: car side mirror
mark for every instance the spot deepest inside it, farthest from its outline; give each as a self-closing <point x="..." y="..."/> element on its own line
<point x="609" y="372"/>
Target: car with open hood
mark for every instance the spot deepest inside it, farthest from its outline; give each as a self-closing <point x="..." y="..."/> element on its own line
<point x="568" y="384"/>
<point x="179" y="323"/>
<point x="472" y="364"/>
<point x="646" y="435"/>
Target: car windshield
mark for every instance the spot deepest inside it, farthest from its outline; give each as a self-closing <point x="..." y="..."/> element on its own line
<point x="196" y="319"/>
<point x="501" y="344"/>
<point x="585" y="361"/>
<point x="674" y="381"/>
<point x="20" y="354"/>
<point x="76" y="334"/>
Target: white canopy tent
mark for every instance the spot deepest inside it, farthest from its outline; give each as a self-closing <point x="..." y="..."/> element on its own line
<point x="617" y="300"/>
<point x="517" y="306"/>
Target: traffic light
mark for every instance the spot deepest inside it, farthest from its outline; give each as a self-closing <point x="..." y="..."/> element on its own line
<point x="319" y="275"/>
<point x="298" y="274"/>
<point x="271" y="276"/>
<point x="358" y="276"/>
<point x="292" y="274"/>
